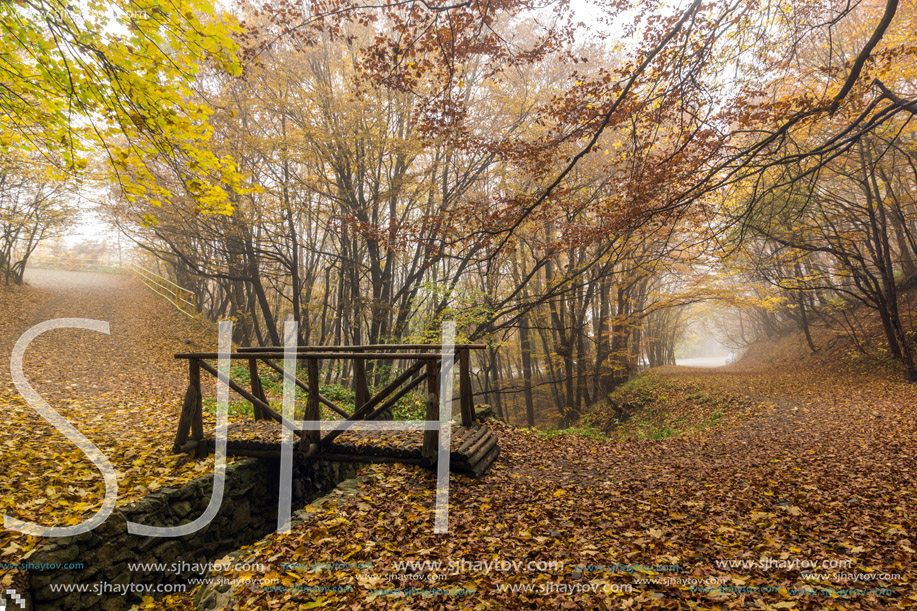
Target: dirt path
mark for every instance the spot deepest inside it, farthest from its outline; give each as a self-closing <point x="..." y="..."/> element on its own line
<point x="135" y="359"/>
<point x="122" y="390"/>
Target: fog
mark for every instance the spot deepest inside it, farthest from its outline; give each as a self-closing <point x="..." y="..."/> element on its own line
<point x="701" y="348"/>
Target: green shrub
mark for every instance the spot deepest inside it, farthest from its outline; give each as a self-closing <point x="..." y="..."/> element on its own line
<point x="656" y="432"/>
<point x="585" y="431"/>
<point x="236" y="408"/>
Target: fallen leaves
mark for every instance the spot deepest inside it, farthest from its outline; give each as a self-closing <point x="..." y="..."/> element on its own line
<point x="123" y="391"/>
<point x="789" y="479"/>
<point x="812" y="464"/>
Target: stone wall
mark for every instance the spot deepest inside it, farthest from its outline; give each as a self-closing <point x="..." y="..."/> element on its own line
<point x="248" y="513"/>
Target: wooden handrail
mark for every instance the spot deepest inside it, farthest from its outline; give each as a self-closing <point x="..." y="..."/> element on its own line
<point x="362" y="347"/>
<point x="428" y="356"/>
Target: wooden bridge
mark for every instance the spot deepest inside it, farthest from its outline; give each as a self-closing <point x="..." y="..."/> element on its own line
<point x="473" y="446"/>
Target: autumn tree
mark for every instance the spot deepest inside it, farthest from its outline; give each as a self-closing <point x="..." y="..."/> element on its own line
<point x="35" y="205"/>
<point x="117" y="76"/>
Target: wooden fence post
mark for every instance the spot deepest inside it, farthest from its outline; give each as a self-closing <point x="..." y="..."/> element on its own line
<point x="466" y="400"/>
<point x="190" y="407"/>
<point x="257" y="388"/>
<point x="360" y="387"/>
<point x="312" y="409"/>
<point x="431" y="438"/>
<point x="197" y="417"/>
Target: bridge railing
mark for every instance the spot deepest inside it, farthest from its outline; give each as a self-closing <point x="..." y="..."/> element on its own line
<point x="74" y="264"/>
<point x="184" y="300"/>
<point x="424" y="368"/>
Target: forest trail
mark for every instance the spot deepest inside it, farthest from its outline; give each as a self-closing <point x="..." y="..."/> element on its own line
<point x="137" y="356"/>
<point x="123" y="391"/>
<point x="819" y="465"/>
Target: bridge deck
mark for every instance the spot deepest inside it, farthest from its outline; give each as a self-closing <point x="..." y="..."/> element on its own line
<point x="473" y="449"/>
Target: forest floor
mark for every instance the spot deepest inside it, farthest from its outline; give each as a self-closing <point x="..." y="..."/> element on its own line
<point x="799" y="495"/>
<point x="122" y="390"/>
<point x="782" y="482"/>
<point x="816" y="474"/>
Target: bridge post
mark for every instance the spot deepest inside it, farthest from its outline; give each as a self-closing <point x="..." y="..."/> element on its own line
<point x="190" y="412"/>
<point x="466" y="400"/>
<point x="197" y="417"/>
<point x="360" y="387"/>
<point x="257" y="388"/>
<point x="312" y="409"/>
<point x="431" y="438"/>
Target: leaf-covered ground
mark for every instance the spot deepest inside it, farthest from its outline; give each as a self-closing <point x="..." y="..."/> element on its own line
<point x="122" y="390"/>
<point x="806" y="465"/>
<point x="817" y="476"/>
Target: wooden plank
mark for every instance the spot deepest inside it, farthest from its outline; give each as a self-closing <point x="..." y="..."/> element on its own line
<point x="185" y="446"/>
<point x="481" y="441"/>
<point x="431" y="438"/>
<point x="363" y="348"/>
<point x="357" y="454"/>
<point x="409" y="448"/>
<point x="481" y="449"/>
<point x="408" y="460"/>
<point x="466" y="400"/>
<point x="468" y="441"/>
<point x="482" y="466"/>
<point x="389" y="356"/>
<point x="461" y="433"/>
<point x="243" y="448"/>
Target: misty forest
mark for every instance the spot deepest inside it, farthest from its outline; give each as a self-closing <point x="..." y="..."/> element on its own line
<point x="651" y="267"/>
